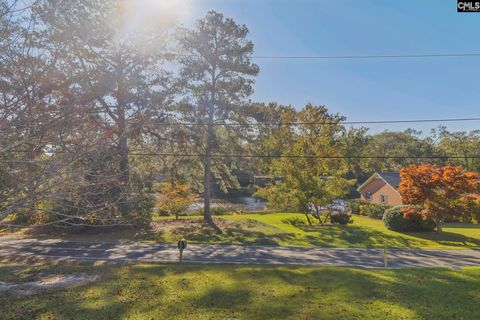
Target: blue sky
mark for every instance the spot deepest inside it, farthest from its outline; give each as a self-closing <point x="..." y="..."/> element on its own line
<point x="364" y="89"/>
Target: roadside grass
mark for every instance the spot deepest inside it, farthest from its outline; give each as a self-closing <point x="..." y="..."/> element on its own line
<point x="280" y="229"/>
<point x="245" y="292"/>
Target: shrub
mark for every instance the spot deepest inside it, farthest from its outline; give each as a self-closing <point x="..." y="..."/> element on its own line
<point x="343" y="218"/>
<point x="373" y="210"/>
<point x="23" y="217"/>
<point x="219" y="211"/>
<point x="163" y="213"/>
<point x="215" y="211"/>
<point x="354" y="205"/>
<point x="407" y="218"/>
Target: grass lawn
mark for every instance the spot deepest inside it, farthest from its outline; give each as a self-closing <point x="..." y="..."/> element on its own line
<point x="245" y="292"/>
<point x="287" y="229"/>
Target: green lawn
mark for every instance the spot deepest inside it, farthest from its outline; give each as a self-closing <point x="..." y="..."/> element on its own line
<point x="288" y="229"/>
<point x="246" y="292"/>
<point x="285" y="229"/>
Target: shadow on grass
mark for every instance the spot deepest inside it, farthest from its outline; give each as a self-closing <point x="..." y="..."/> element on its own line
<point x="353" y="236"/>
<point x="447" y="238"/>
<point x="259" y="292"/>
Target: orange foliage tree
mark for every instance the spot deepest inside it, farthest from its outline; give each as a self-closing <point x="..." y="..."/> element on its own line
<point x="438" y="189"/>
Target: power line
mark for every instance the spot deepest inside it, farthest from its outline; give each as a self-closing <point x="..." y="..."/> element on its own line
<point x="385" y="56"/>
<point x="194" y="155"/>
<point x="281" y="123"/>
<point x="302" y="156"/>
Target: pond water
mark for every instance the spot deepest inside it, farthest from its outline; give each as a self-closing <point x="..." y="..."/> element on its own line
<point x="244" y="203"/>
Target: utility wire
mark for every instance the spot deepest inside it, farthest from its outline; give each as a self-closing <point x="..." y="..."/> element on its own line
<point x="383" y="56"/>
<point x="301" y="157"/>
<point x="194" y="155"/>
<point x="281" y="123"/>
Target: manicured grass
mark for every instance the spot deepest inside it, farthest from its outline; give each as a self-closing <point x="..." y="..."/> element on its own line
<point x="288" y="229"/>
<point x="246" y="292"/>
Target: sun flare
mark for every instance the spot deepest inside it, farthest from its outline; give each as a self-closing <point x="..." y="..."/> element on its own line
<point x="140" y="15"/>
<point x="172" y="10"/>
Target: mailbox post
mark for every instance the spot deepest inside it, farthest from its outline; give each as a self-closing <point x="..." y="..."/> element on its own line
<point x="182" y="244"/>
<point x="385" y="255"/>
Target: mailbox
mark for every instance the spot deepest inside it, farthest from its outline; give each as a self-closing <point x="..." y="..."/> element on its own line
<point x="182" y="244"/>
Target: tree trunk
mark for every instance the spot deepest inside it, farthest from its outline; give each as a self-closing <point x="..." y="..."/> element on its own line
<point x="318" y="216"/>
<point x="123" y="154"/>
<point x="308" y="219"/>
<point x="438" y="223"/>
<point x="122" y="147"/>
<point x="207" y="214"/>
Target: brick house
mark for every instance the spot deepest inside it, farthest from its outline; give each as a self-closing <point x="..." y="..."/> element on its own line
<point x="381" y="188"/>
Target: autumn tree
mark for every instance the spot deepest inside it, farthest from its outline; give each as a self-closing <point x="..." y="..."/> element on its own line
<point x="175" y="198"/>
<point x="438" y="189"/>
<point x="217" y="72"/>
<point x="309" y="158"/>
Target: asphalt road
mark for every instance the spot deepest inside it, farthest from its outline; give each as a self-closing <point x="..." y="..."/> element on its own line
<point x="231" y="254"/>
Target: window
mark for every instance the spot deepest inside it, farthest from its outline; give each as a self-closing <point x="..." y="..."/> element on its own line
<point x="383" y="198"/>
<point x="368" y="196"/>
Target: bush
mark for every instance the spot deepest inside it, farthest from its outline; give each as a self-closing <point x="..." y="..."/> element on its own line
<point x="163" y="213"/>
<point x="219" y="211"/>
<point x="140" y="209"/>
<point x="354" y="205"/>
<point x="407" y="218"/>
<point x="343" y="218"/>
<point x="373" y="210"/>
<point x="215" y="211"/>
<point x="23" y="217"/>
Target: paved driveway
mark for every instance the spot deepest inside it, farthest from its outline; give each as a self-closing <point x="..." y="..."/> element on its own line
<point x="231" y="254"/>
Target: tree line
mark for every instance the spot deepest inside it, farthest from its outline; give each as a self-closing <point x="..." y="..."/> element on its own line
<point x="93" y="115"/>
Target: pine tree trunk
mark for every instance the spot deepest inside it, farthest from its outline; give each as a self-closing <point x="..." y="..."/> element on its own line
<point x="207" y="214"/>
<point x="123" y="154"/>
<point x="122" y="147"/>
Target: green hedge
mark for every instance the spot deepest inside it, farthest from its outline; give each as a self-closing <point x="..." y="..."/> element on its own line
<point x="373" y="210"/>
<point x="394" y="220"/>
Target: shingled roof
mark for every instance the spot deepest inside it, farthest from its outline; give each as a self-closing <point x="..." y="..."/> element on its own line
<point x="391" y="178"/>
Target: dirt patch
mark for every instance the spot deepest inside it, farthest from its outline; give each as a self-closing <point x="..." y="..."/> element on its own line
<point x="46" y="283"/>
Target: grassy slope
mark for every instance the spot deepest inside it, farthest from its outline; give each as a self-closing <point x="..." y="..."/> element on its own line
<point x="248" y="292"/>
<point x="288" y="229"/>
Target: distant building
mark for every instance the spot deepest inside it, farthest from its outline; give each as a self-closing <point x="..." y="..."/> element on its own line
<point x="381" y="188"/>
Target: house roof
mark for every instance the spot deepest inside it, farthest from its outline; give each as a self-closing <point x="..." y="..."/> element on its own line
<point x="390" y="178"/>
